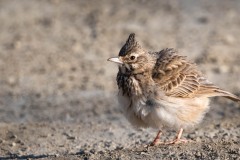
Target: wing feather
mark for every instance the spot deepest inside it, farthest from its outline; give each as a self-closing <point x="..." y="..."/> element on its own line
<point x="178" y="77"/>
<point x="175" y="75"/>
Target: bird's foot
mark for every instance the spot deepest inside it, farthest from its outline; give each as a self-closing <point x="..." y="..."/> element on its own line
<point x="156" y="142"/>
<point x="177" y="141"/>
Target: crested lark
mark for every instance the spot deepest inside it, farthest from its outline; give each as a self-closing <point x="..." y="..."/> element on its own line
<point x="162" y="89"/>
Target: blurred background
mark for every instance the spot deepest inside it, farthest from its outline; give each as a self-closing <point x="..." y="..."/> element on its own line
<point x="53" y="55"/>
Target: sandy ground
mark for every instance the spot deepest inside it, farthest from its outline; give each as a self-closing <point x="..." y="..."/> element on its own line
<point x="58" y="92"/>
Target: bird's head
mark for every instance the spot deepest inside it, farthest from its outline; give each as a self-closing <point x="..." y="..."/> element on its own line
<point x="132" y="57"/>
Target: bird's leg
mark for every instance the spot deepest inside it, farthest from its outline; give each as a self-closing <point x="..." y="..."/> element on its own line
<point x="156" y="139"/>
<point x="178" y="138"/>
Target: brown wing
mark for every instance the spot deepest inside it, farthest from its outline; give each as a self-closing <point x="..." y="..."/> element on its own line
<point x="178" y="77"/>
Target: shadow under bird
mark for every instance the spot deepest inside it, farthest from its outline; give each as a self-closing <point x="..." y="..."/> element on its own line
<point x="162" y="89"/>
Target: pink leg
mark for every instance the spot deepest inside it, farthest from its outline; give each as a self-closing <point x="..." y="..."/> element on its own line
<point x="178" y="138"/>
<point x="156" y="139"/>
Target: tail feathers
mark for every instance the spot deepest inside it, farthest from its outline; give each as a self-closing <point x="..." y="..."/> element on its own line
<point x="229" y="95"/>
<point x="213" y="91"/>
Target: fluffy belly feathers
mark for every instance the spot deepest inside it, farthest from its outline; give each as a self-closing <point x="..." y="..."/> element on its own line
<point x="166" y="112"/>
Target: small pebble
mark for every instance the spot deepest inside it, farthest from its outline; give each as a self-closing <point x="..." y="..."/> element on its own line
<point x="198" y="154"/>
<point x="224" y="69"/>
<point x="92" y="151"/>
<point x="144" y="153"/>
<point x="56" y="155"/>
<point x="12" y="81"/>
<point x="229" y="39"/>
<point x="13" y="144"/>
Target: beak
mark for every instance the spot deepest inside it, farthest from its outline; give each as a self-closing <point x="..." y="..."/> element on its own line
<point x="115" y="60"/>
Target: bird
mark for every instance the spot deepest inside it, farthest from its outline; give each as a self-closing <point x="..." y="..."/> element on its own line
<point x="162" y="90"/>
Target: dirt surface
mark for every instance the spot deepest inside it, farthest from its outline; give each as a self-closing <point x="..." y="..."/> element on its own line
<point x="58" y="92"/>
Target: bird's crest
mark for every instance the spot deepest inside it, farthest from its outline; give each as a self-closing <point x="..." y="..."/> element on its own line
<point x="129" y="45"/>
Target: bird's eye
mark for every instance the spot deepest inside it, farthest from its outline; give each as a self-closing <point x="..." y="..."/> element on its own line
<point x="132" y="57"/>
